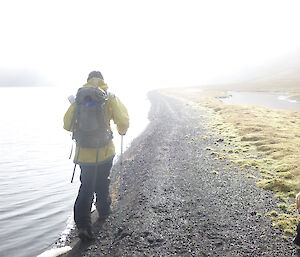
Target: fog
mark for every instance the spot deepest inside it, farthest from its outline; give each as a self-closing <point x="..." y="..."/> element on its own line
<point x="139" y="44"/>
<point x="21" y="78"/>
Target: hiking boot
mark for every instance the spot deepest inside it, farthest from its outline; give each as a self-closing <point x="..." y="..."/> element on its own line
<point x="86" y="234"/>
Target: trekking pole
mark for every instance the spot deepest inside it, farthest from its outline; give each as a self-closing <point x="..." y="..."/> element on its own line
<point x="120" y="193"/>
<point x="75" y="165"/>
<point x="73" y="173"/>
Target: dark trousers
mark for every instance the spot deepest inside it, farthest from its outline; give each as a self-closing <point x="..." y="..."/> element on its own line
<point x="94" y="179"/>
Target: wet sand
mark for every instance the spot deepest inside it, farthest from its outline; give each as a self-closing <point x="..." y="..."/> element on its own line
<point x="180" y="200"/>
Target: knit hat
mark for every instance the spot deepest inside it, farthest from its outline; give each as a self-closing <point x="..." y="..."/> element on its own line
<point x="95" y="74"/>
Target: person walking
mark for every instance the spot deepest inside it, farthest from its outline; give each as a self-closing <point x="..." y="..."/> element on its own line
<point x="95" y="159"/>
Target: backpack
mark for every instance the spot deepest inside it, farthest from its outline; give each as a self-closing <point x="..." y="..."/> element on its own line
<point x="90" y="126"/>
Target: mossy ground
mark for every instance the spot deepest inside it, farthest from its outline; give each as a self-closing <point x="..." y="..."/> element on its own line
<point x="258" y="138"/>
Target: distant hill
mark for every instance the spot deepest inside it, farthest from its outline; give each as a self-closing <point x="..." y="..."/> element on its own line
<point x="281" y="75"/>
<point x="18" y="78"/>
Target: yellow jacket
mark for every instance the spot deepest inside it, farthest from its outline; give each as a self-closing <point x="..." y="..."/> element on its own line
<point x="115" y="111"/>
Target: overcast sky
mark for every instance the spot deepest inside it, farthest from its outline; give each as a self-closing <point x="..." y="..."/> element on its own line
<point x="145" y="44"/>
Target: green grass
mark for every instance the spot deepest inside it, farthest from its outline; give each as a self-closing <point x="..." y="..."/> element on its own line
<point x="261" y="139"/>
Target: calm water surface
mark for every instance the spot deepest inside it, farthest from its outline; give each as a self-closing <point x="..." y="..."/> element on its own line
<point x="36" y="196"/>
<point x="274" y="101"/>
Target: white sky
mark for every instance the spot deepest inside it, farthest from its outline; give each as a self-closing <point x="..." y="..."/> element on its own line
<point x="145" y="44"/>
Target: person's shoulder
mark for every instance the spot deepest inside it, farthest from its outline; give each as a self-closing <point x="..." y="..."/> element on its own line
<point x="111" y="99"/>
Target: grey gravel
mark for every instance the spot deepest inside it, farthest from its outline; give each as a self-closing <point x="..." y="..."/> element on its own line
<point x="174" y="205"/>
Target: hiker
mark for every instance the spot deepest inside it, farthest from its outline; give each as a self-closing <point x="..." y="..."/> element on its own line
<point x="94" y="154"/>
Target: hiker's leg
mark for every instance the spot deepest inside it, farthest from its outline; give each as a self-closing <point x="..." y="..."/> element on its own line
<point x="83" y="203"/>
<point x="103" y="199"/>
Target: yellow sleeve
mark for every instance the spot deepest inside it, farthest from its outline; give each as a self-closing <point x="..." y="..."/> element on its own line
<point x="68" y="118"/>
<point x="120" y="115"/>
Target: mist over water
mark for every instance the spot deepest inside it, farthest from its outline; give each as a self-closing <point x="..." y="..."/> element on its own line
<point x="36" y="197"/>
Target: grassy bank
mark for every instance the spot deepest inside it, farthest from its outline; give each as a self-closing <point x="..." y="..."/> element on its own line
<point x="257" y="138"/>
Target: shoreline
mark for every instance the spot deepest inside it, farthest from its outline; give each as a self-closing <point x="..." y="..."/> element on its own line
<point x="158" y="191"/>
<point x="138" y="129"/>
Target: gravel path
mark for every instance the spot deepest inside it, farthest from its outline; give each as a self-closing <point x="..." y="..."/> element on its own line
<point x="179" y="201"/>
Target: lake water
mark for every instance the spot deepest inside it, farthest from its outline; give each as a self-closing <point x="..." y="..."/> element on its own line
<point x="270" y="100"/>
<point x="36" y="196"/>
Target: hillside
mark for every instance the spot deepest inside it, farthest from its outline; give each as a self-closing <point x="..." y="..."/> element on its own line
<point x="280" y="75"/>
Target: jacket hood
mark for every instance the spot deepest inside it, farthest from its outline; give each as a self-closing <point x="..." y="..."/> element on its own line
<point x="100" y="84"/>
